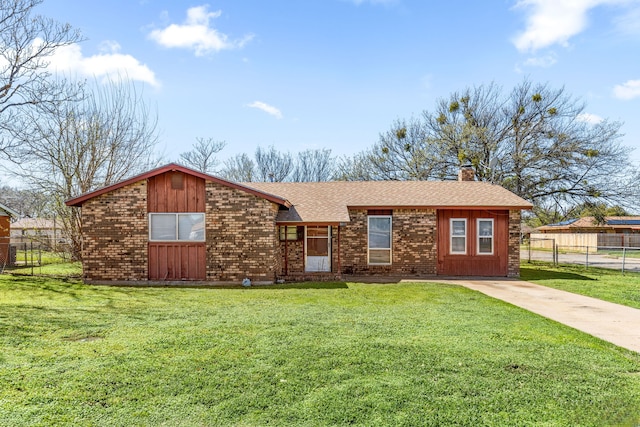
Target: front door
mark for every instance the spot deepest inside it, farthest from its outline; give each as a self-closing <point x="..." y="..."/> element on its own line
<point x="317" y="248"/>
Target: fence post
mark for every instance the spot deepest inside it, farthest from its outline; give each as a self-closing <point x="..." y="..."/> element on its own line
<point x="624" y="253"/>
<point x="555" y="253"/>
<point x="31" y="245"/>
<point x="587" y="258"/>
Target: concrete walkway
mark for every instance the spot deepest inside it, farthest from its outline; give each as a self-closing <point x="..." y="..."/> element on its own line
<point x="617" y="324"/>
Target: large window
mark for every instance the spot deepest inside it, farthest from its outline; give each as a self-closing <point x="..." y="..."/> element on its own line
<point x="172" y="227"/>
<point x="380" y="239"/>
<point x="485" y="237"/>
<point x="458" y="231"/>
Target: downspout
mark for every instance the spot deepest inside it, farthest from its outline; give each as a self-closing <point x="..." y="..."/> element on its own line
<point x="339" y="250"/>
<point x="286" y="252"/>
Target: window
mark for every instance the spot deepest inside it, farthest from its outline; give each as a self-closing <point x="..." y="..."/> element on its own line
<point x="458" y="231"/>
<point x="380" y="240"/>
<point x="288" y="232"/>
<point x="187" y="227"/>
<point x="485" y="236"/>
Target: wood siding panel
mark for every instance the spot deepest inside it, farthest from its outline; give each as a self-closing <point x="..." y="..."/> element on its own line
<point x="163" y="197"/>
<point x="177" y="261"/>
<point x="4" y="239"/>
<point x="176" y="192"/>
<point x="472" y="264"/>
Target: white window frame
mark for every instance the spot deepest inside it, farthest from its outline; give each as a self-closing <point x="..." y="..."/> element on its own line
<point x="451" y="236"/>
<point x="478" y="237"/>
<point x="369" y="248"/>
<point x="177" y="222"/>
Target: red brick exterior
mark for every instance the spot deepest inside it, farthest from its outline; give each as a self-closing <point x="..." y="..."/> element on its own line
<point x="413" y="244"/>
<point x="514" y="243"/>
<point x="242" y="240"/>
<point x="115" y="235"/>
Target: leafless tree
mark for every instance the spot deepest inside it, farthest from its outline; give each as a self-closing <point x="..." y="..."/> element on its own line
<point x="27" y="41"/>
<point x="239" y="168"/>
<point x="202" y="156"/>
<point x="27" y="203"/>
<point x="273" y="165"/>
<point x="313" y="166"/>
<point x="71" y="148"/>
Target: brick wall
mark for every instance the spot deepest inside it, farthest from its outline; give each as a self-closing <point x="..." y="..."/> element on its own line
<point x="413" y="244"/>
<point x="513" y="269"/>
<point x="242" y="239"/>
<point x="293" y="252"/>
<point x="115" y="235"/>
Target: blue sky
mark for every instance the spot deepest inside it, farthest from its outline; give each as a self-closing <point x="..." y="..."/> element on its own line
<point x="336" y="73"/>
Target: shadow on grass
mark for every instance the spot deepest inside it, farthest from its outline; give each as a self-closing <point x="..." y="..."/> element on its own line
<point x="309" y="285"/>
<point x="536" y="273"/>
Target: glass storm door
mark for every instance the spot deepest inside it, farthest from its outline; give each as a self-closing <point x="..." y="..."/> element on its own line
<point x="318" y="248"/>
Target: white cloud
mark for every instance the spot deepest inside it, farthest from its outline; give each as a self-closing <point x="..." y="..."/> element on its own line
<point x="592" y="119"/>
<point x="69" y="59"/>
<point x="541" y="61"/>
<point x="196" y="34"/>
<point x="552" y="22"/>
<point x="628" y="90"/>
<point x="269" y="109"/>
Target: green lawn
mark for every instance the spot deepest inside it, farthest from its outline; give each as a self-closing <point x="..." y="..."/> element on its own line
<point x="602" y="283"/>
<point x="307" y="354"/>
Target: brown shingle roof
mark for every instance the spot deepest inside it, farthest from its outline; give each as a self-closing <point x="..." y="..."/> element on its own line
<point x="328" y="201"/>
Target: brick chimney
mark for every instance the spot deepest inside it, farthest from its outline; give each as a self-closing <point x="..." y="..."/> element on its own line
<point x="466" y="173"/>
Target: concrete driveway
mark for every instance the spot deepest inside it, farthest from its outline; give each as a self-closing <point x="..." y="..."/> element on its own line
<point x="617" y="324"/>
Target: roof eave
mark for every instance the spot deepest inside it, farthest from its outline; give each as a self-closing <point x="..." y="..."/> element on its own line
<point x="173" y="167"/>
<point x="8" y="210"/>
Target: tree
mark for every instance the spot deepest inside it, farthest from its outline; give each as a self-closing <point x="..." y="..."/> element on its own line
<point x="239" y="168"/>
<point x="26" y="44"/>
<point x="202" y="156"/>
<point x="272" y="165"/>
<point x="27" y="203"/>
<point x="77" y="147"/>
<point x="533" y="141"/>
<point x="313" y="166"/>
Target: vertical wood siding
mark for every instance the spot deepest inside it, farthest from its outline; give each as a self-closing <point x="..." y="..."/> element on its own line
<point x="177" y="192"/>
<point x="472" y="264"/>
<point x="4" y="239"/>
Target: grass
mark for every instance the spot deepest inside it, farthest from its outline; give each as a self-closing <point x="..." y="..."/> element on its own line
<point x="630" y="253"/>
<point x="301" y="354"/>
<point x="606" y="284"/>
<point x="45" y="263"/>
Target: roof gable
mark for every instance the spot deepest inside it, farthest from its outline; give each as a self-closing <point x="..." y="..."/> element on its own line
<point x="174" y="167"/>
<point x="8" y="211"/>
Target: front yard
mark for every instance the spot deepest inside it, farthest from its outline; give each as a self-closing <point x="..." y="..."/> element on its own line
<point x="308" y="354"/>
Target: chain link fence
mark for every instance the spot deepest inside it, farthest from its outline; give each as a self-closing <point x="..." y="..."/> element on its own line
<point x="25" y="257"/>
<point x="623" y="258"/>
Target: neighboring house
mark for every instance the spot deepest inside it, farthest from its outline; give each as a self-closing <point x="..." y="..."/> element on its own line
<point x="173" y="223"/>
<point x="580" y="233"/>
<point x="588" y="224"/>
<point x="39" y="230"/>
<point x="5" y="231"/>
